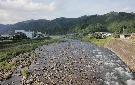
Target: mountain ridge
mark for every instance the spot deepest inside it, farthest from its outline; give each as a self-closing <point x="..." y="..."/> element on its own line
<point x="3" y="28"/>
<point x="116" y="22"/>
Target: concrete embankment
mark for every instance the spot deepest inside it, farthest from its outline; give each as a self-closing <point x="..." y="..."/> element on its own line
<point x="125" y="50"/>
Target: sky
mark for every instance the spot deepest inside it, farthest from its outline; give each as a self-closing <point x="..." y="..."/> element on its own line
<point x="13" y="11"/>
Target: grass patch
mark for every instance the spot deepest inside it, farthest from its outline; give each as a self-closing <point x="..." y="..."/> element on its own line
<point x="24" y="73"/>
<point x="132" y="40"/>
<point x="10" y="50"/>
<point x="58" y="36"/>
<point x="98" y="42"/>
<point x="7" y="75"/>
<point x="37" y="83"/>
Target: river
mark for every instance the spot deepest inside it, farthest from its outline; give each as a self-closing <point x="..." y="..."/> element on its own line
<point x="75" y="63"/>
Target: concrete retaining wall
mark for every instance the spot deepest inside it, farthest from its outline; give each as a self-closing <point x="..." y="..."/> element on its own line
<point x="124" y="50"/>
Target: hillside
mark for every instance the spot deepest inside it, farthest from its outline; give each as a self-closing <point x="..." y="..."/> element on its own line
<point x="3" y="28"/>
<point x="57" y="26"/>
<point x="112" y="22"/>
<point x="116" y="22"/>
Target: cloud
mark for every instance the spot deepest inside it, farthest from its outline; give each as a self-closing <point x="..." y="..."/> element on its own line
<point x="127" y="9"/>
<point x="12" y="11"/>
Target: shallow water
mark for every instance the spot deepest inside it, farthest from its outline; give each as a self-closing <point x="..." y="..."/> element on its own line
<point x="76" y="62"/>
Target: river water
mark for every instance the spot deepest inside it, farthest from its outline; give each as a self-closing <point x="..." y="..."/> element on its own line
<point x="76" y="63"/>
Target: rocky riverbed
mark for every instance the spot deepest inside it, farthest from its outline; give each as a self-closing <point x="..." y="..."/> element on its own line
<point x="73" y="63"/>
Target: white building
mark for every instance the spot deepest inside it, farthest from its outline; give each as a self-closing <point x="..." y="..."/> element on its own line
<point x="105" y="33"/>
<point x="29" y="34"/>
<point x="5" y="35"/>
<point x="125" y="36"/>
<point x="39" y="33"/>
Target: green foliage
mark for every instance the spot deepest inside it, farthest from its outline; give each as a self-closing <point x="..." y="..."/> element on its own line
<point x="47" y="37"/>
<point x="110" y="22"/>
<point x="6" y="65"/>
<point x="7" y="75"/>
<point x="116" y="35"/>
<point x="98" y="42"/>
<point x="97" y="35"/>
<point x="10" y="50"/>
<point x="24" y="73"/>
<point x="54" y="27"/>
<point x="37" y="83"/>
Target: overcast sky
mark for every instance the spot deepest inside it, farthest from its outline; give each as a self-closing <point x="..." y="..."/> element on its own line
<point x="13" y="11"/>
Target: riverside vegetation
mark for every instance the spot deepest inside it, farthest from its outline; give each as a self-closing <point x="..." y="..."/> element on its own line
<point x="11" y="53"/>
<point x="94" y="40"/>
<point x="98" y="42"/>
<point x="72" y="62"/>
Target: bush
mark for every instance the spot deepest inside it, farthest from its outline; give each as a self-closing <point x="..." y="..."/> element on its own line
<point x="97" y="35"/>
<point x="7" y="75"/>
<point x="116" y="35"/>
<point x="47" y="37"/>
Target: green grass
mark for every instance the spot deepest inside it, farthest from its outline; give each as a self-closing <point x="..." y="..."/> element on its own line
<point x="10" y="50"/>
<point x="131" y="40"/>
<point x="37" y="83"/>
<point x="58" y="36"/>
<point x="7" y="75"/>
<point x="98" y="42"/>
<point x="24" y="73"/>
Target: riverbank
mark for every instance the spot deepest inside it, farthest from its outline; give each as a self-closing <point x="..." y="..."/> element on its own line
<point x="72" y="62"/>
<point x="124" y="50"/>
<point x="98" y="42"/>
<point x="18" y="53"/>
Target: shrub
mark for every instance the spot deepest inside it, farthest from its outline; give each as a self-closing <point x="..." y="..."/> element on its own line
<point x="24" y="73"/>
<point x="7" y="75"/>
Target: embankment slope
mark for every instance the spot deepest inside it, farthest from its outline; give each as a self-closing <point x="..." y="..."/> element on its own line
<point x="125" y="50"/>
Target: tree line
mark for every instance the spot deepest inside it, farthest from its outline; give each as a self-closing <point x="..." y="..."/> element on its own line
<point x="115" y="22"/>
<point x="111" y="22"/>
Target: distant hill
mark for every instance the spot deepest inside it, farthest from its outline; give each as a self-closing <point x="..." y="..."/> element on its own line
<point x="57" y="26"/>
<point x="112" y="22"/>
<point x="3" y="28"/>
<point x="118" y="22"/>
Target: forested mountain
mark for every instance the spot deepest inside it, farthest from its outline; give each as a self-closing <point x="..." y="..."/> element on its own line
<point x="112" y="22"/>
<point x="57" y="26"/>
<point x="119" y="22"/>
<point x="3" y="28"/>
